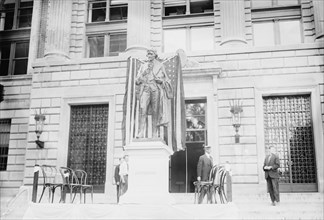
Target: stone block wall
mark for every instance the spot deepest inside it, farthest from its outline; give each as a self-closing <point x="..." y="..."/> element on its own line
<point x="15" y="107"/>
<point x="85" y="79"/>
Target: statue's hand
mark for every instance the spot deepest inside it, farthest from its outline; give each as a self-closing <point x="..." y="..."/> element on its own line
<point x="159" y="81"/>
<point x="138" y="82"/>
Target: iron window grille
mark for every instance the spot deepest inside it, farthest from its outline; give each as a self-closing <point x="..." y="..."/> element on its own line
<point x="5" y="125"/>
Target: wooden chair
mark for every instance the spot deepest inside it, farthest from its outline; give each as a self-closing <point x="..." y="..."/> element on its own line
<point x="50" y="181"/>
<point x="70" y="182"/>
<point x="199" y="186"/>
<point x="82" y="177"/>
<point x="217" y="176"/>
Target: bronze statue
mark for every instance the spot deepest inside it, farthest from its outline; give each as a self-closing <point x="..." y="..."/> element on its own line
<point x="154" y="92"/>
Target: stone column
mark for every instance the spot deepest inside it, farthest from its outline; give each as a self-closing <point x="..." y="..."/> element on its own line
<point x="34" y="34"/>
<point x="138" y="26"/>
<point x="58" y="29"/>
<point x="232" y="22"/>
<point x="319" y="19"/>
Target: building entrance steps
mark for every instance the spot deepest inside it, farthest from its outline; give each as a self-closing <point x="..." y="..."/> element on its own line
<point x="308" y="206"/>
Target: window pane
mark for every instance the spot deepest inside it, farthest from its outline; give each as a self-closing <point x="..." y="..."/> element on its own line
<point x="20" y="66"/>
<point x="261" y="3"/>
<point x="202" y="38"/>
<point x="175" y="10"/>
<point x="263" y="34"/>
<point x="96" y="46"/>
<point x="117" y="44"/>
<point x="25" y="18"/>
<point x="21" y="50"/>
<point x="98" y="11"/>
<point x="8" y="19"/>
<point x="288" y="2"/>
<point x="118" y="13"/>
<point x="201" y="6"/>
<point x="4" y="65"/>
<point x="174" y="39"/>
<point x="290" y="32"/>
<point x="5" y="51"/>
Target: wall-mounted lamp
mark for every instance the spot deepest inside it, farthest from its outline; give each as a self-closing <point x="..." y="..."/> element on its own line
<point x="40" y="120"/>
<point x="236" y="110"/>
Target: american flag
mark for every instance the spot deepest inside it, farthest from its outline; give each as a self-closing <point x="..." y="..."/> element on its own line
<point x="177" y="124"/>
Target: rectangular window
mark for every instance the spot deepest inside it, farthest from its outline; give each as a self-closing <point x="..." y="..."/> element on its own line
<point x="16" y="14"/>
<point x="190" y="38"/>
<point x="273" y="3"/>
<point x="263" y="33"/>
<point x="202" y="38"/>
<point x="187" y="7"/>
<point x="13" y="58"/>
<point x="4" y="142"/>
<point x="96" y="46"/>
<point x="107" y="44"/>
<point x="174" y="38"/>
<point x="279" y="32"/>
<point x="100" y="11"/>
<point x="290" y="32"/>
<point x="276" y="22"/>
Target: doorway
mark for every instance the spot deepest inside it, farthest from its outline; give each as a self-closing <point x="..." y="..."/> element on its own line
<point x="88" y="142"/>
<point x="288" y="127"/>
<point x="183" y="165"/>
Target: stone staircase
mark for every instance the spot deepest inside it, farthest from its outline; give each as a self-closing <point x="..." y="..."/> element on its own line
<point x="308" y="206"/>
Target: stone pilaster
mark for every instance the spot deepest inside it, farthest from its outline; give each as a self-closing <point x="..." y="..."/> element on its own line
<point x="319" y="19"/>
<point x="58" y="29"/>
<point x="138" y="26"/>
<point x="34" y="34"/>
<point x="232" y="22"/>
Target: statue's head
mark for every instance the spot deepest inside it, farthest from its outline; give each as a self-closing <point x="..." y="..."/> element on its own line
<point x="151" y="54"/>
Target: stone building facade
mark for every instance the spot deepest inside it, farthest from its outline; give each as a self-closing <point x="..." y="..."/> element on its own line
<point x="74" y="69"/>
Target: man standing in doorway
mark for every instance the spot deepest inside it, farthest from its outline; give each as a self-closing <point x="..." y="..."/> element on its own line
<point x="117" y="178"/>
<point x="205" y="164"/>
<point x="123" y="173"/>
<point x="270" y="167"/>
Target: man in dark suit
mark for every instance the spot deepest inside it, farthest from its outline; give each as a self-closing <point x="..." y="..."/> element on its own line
<point x="270" y="167"/>
<point x="117" y="179"/>
<point x="205" y="164"/>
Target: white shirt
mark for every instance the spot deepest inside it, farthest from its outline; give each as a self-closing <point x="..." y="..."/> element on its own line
<point x="123" y="169"/>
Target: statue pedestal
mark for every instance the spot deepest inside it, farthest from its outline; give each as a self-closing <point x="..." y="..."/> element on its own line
<point x="148" y="179"/>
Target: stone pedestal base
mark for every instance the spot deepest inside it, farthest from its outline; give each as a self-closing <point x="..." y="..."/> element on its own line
<point x="148" y="179"/>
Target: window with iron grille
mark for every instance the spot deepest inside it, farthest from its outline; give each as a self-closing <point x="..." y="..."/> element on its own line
<point x="88" y="142"/>
<point x="276" y="22"/>
<point x="288" y="127"/>
<point x="15" y="24"/>
<point x="4" y="142"/>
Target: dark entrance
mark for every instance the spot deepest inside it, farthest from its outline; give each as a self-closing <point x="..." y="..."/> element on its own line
<point x="183" y="169"/>
<point x="288" y="127"/>
<point x="88" y="142"/>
